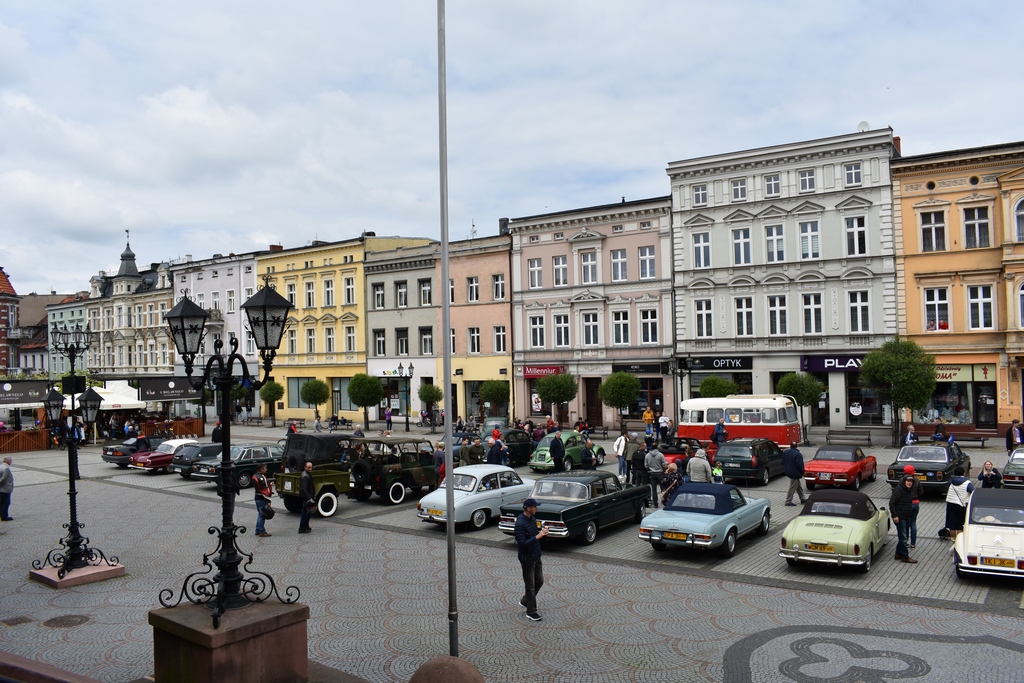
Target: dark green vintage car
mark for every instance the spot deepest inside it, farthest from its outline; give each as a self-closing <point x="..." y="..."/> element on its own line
<point x="578" y="504"/>
<point x="1013" y="473"/>
<point x="574" y="441"/>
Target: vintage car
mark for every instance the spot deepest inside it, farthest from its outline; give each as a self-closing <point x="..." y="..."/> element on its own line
<point x="706" y="516"/>
<point x="992" y="541"/>
<point x="573" y="441"/>
<point x="480" y="491"/>
<point x="757" y="459"/>
<point x="390" y="465"/>
<point x="1013" y="473"/>
<point x="840" y="466"/>
<point x="185" y="458"/>
<point x="332" y="455"/>
<point x="247" y="457"/>
<point x="837" y="527"/>
<point x="121" y="454"/>
<point x="160" y="459"/>
<point x="578" y="504"/>
<point x="933" y="464"/>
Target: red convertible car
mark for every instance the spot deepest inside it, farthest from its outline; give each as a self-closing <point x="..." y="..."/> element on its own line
<point x="160" y="459"/>
<point x="840" y="466"/>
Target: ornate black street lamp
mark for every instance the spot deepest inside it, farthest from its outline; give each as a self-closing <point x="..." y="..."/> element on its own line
<point x="408" y="390"/>
<point x="74" y="551"/>
<point x="267" y="314"/>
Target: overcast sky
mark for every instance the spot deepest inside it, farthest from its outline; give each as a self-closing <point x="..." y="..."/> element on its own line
<point x="214" y="126"/>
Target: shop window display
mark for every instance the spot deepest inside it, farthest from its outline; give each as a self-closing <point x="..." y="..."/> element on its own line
<point x="950" y="404"/>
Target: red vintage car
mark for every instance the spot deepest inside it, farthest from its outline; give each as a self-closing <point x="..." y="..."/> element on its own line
<point x="840" y="466"/>
<point x="160" y="459"/>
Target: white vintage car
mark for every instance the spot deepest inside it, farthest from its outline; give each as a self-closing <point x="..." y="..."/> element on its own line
<point x="480" y="491"/>
<point x="992" y="541"/>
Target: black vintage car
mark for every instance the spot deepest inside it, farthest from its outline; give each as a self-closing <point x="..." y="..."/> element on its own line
<point x="577" y="504"/>
<point x="757" y="459"/>
<point x="933" y="464"/>
<point x="247" y="458"/>
<point x="192" y="454"/>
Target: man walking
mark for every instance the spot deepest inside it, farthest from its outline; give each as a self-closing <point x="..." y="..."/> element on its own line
<point x="557" y="451"/>
<point x="655" y="463"/>
<point x="698" y="469"/>
<point x="626" y="464"/>
<point x="620" y="448"/>
<point x="217" y="435"/>
<point x="793" y="466"/>
<point x="639" y="470"/>
<point x="648" y="418"/>
<point x="495" y="451"/>
<point x="528" y="542"/>
<point x="588" y="459"/>
<point x="263" y="493"/>
<point x="1014" y="436"/>
<point x="308" y="494"/>
<point x="6" y="488"/>
<point x="720" y="434"/>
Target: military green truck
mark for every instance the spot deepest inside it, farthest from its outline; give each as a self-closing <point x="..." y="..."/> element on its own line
<point x="331" y="455"/>
<point x="390" y="465"/>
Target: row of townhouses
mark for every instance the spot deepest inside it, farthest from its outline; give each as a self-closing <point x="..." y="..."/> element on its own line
<point x="796" y="257"/>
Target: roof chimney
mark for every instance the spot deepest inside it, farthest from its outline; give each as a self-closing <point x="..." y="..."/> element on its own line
<point x="896" y="144"/>
<point x="276" y="247"/>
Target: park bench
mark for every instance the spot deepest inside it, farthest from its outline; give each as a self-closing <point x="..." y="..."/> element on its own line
<point x="857" y="436"/>
<point x="973" y="437"/>
<point x="254" y="421"/>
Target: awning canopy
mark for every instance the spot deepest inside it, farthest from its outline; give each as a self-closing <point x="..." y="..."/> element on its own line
<point x="111" y="400"/>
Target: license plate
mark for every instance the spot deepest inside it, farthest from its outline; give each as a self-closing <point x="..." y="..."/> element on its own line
<point x="732" y="464"/>
<point x="436" y="513"/>
<point x="672" y="535"/>
<point x="287" y="486"/>
<point x="998" y="562"/>
<point x="825" y="476"/>
<point x="922" y="477"/>
<point x="820" y="548"/>
<point x="177" y="469"/>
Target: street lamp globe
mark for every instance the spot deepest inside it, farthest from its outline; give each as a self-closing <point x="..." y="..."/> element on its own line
<point x="54" y="403"/>
<point x="187" y="320"/>
<point x="267" y="313"/>
<point x="90" y="402"/>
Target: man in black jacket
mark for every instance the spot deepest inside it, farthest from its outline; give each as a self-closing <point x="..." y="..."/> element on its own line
<point x="528" y="542"/>
<point x="308" y="495"/>
<point x="557" y="451"/>
<point x="793" y="466"/>
<point x="588" y="459"/>
<point x="901" y="507"/>
<point x="216" y="436"/>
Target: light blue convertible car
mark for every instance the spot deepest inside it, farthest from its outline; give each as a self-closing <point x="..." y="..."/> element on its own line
<point x="706" y="516"/>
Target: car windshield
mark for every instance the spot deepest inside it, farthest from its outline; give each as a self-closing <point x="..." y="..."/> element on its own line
<point x="983" y="514"/>
<point x="1017" y="458"/>
<point x="834" y="454"/>
<point x="165" y="448"/>
<point x="921" y="454"/>
<point x="560" y="490"/>
<point x="188" y="452"/>
<point x="462" y="482"/>
<point x="742" y="451"/>
<point x="699" y="502"/>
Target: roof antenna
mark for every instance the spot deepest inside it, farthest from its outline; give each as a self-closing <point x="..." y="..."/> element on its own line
<point x="623" y="199"/>
<point x="127" y="236"/>
<point x="472" y="229"/>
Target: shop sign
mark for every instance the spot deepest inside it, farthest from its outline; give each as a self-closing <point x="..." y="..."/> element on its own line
<point x="167" y="389"/>
<point x="984" y="372"/>
<point x="533" y="371"/>
<point x="638" y="368"/>
<point x="389" y="373"/>
<point x="22" y="391"/>
<point x="721" y="363"/>
<point x="953" y="373"/>
<point x="831" y="363"/>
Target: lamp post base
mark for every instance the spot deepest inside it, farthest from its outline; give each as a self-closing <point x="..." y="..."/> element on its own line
<point x="98" y="570"/>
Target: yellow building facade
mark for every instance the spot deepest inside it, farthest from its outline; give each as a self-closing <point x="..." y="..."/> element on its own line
<point x="960" y="281"/>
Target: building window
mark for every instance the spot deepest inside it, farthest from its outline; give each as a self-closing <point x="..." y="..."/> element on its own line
<point x="590" y="336"/>
<point x="777" y="323"/>
<point x="350" y="338"/>
<point x="451" y="291"/>
<point x="500" y="339"/>
<point x="620" y="328"/>
<point x="328" y="292"/>
<point x="402" y="341"/>
<point x="536" y="331"/>
<point x="647" y="270"/>
<point x="618" y="265"/>
<point x="774" y="244"/>
<point x="560" y="264"/>
<point x="704" y="328"/>
<point x="292" y="342"/>
<point x="425" y="296"/>
<point x="401" y="295"/>
<point x="380" y="343"/>
<point x="741" y="247"/>
<point x="473" y="289"/>
<point x="807" y="180"/>
<point x="933" y="231"/>
<point x="936" y="309"/>
<point x="329" y="340"/>
<point x="980" y="305"/>
<point x="311" y="340"/>
<point x="645" y="225"/>
<point x="310" y="294"/>
<point x="588" y="267"/>
<point x="294" y="392"/>
<point x="618" y="228"/>
<point x="649" y="326"/>
<point x="772" y="186"/>
<point x="561" y="331"/>
<point x="856" y="236"/>
<point x="426" y="341"/>
<point x="474" y="340"/>
<point x="852" y="173"/>
<point x="744" y="317"/>
<point x="214" y="304"/>
<point x="350" y="290"/>
<point x="860" y="312"/>
<point x="451" y="339"/>
<point x="812" y="314"/>
<point x="700" y="195"/>
<point x="378" y="295"/>
<point x="290" y="290"/>
<point x="976" y="227"/>
<point x="810" y="246"/>
<point x="739" y="190"/>
<point x="151" y="313"/>
<point x="534" y="268"/>
<point x="702" y="250"/>
<point x="231" y="301"/>
<point x="498" y="287"/>
<point x="1019" y="213"/>
<point x="248" y="295"/>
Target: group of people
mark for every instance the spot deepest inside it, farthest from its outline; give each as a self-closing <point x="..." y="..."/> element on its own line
<point x="656" y="424"/>
<point x="641" y="463"/>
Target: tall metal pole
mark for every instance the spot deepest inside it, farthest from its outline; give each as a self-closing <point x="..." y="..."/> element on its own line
<point x="446" y="373"/>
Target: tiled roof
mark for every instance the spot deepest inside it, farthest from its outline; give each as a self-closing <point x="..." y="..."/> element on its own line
<point x="5" y="284"/>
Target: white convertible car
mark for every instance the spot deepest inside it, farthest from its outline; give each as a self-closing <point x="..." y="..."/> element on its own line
<point x="992" y="541"/>
<point x="480" y="491"/>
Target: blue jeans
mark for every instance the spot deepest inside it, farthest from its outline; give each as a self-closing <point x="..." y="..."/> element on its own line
<point x="533" y="579"/>
<point x="902" y="533"/>
<point x="304" y="516"/>
<point x="260" y="522"/>
<point x="913" y="524"/>
<point x="623" y="466"/>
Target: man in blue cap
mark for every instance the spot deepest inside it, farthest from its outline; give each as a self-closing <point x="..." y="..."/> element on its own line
<point x="528" y="541"/>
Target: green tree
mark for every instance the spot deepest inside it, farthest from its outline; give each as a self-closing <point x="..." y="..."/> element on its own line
<point x="556" y="390"/>
<point x="430" y="394"/>
<point x="619" y="391"/>
<point x="495" y="392"/>
<point x="904" y="375"/>
<point x="805" y="389"/>
<point x="714" y="386"/>
<point x="315" y="392"/>
<point x="271" y="393"/>
<point x="365" y="391"/>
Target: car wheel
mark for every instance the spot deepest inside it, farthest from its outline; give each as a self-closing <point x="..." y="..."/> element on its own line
<point x="728" y="546"/>
<point x="600" y="458"/>
<point x="589" y="533"/>
<point x="810" y="486"/>
<point x="327" y="504"/>
<point x="790" y="561"/>
<point x="567" y="464"/>
<point x="293" y="504"/>
<point x="185" y="475"/>
<point x="123" y="467"/>
<point x="244" y="479"/>
<point x="362" y="494"/>
<point x="479" y="519"/>
<point x="866" y="567"/>
<point x="361" y="473"/>
<point x="766" y="523"/>
<point x="856" y="483"/>
<point x="166" y="469"/>
<point x="658" y="546"/>
<point x="638" y="516"/>
<point x="873" y="475"/>
<point x="396" y="493"/>
<point x="765" y="477"/>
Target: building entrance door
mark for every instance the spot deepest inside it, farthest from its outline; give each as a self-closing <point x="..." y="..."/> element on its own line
<point x="593" y="407"/>
<point x="985" y="405"/>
